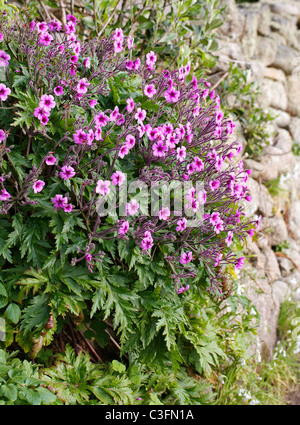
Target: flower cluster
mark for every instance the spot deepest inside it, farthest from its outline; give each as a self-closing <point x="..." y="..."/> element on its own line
<point x="171" y="128"/>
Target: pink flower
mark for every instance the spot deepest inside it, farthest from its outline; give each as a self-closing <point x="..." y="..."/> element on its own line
<point x="149" y="90"/>
<point x="2" y="136"/>
<point x="239" y="148"/>
<point x="82" y="85"/>
<point x="87" y="63"/>
<point x="114" y="115"/>
<point x="228" y="240"/>
<point x="118" y="46"/>
<point x="164" y="213"/>
<point x="118" y="34"/>
<point x="132" y="207"/>
<point x="258" y="222"/>
<point x="186" y="257"/>
<point x="159" y="149"/>
<point x="171" y="95"/>
<point x="130" y="104"/>
<point x="101" y="120"/>
<point x="218" y="259"/>
<point x="136" y="64"/>
<point x="4" y="92"/>
<point x="251" y="232"/>
<point x="103" y="187"/>
<point x="47" y="102"/>
<point x="215" y="218"/>
<point x="202" y="197"/>
<point x="58" y="90"/>
<point x="140" y="115"/>
<point x="93" y="103"/>
<point x="124" y="150"/>
<point x="219" y="227"/>
<point x="151" y="59"/>
<point x="67" y="172"/>
<point x="190" y="168"/>
<point x="129" y="65"/>
<point x="130" y="42"/>
<point x="71" y="18"/>
<point x="123" y="229"/>
<point x="50" y="160"/>
<point x="147" y="243"/>
<point x="214" y="184"/>
<point x="38" y="186"/>
<point x="4" y="195"/>
<point x="44" y="119"/>
<point x="118" y="178"/>
<point x="181" y="153"/>
<point x="240" y="263"/>
<point x="4" y="58"/>
<point x="130" y="141"/>
<point x="45" y="39"/>
<point x="60" y="201"/>
<point x="41" y="27"/>
<point x="181" y="225"/>
<point x="1" y="36"/>
<point x="198" y="164"/>
<point x="74" y="59"/>
<point x="70" y="28"/>
<point x="219" y="163"/>
<point x="98" y="133"/>
<point x="68" y="208"/>
<point x="80" y="137"/>
<point x="39" y="112"/>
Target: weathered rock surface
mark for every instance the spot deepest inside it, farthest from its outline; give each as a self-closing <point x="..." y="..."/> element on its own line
<point x="264" y="37"/>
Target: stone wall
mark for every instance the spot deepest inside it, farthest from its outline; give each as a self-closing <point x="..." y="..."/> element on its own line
<point x="264" y="37"/>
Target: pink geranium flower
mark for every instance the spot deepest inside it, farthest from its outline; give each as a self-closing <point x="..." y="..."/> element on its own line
<point x="103" y="187"/>
<point x="159" y="149"/>
<point x="4" y="58"/>
<point x="101" y="120"/>
<point x="47" y="102"/>
<point x="58" y="90"/>
<point x="124" y="150"/>
<point x="2" y="136"/>
<point x="60" y="201"/>
<point x="164" y="213"/>
<point x="4" y="195"/>
<point x="186" y="257"/>
<point x="118" y="178"/>
<point x="67" y="172"/>
<point x="82" y="85"/>
<point x="130" y="141"/>
<point x="38" y="186"/>
<point x="214" y="184"/>
<point x="50" y="160"/>
<point x="228" y="240"/>
<point x="181" y="153"/>
<point x="45" y="39"/>
<point x="130" y="104"/>
<point x="171" y="95"/>
<point x="140" y="115"/>
<point x="123" y="229"/>
<point x="132" y="207"/>
<point x="181" y="225"/>
<point x="149" y="90"/>
<point x="4" y="91"/>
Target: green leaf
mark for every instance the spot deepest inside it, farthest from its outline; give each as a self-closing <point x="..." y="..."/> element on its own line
<point x="9" y="391"/>
<point x="118" y="367"/>
<point x="13" y="313"/>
